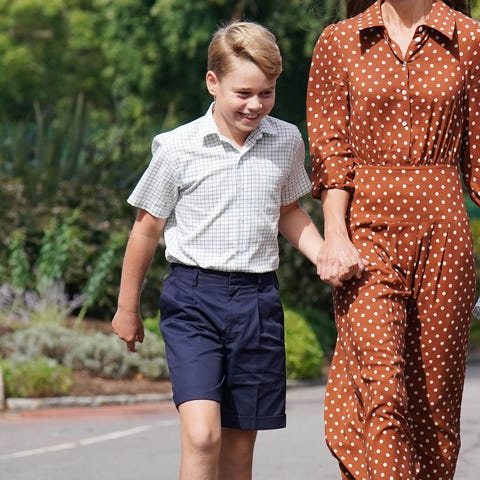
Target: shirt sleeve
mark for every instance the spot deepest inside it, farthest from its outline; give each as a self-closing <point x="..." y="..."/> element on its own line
<point x="157" y="191"/>
<point x="298" y="183"/>
<point x="328" y="117"/>
<point x="470" y="156"/>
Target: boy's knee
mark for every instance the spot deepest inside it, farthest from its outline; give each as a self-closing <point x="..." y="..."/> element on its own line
<point x="203" y="439"/>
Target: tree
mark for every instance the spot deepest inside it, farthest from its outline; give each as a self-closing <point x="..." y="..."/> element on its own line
<point x="86" y="83"/>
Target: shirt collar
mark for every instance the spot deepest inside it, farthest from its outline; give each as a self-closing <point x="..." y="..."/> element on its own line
<point x="209" y="127"/>
<point x="441" y="18"/>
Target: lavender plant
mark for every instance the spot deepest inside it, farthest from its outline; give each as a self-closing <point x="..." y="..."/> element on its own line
<point x="38" y="294"/>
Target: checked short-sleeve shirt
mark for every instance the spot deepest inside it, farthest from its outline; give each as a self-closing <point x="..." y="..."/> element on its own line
<point x="221" y="201"/>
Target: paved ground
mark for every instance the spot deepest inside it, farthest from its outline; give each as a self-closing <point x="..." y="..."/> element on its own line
<point x="141" y="442"/>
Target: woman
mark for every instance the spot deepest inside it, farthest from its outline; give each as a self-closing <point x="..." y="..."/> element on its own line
<point x="393" y="112"/>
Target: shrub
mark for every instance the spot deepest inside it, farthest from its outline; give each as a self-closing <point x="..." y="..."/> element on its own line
<point x="323" y="325"/>
<point x="101" y="355"/>
<point x="97" y="353"/>
<point x="38" y="377"/>
<point x="475" y="328"/>
<point x="152" y="325"/>
<point x="39" y="340"/>
<point x="152" y="361"/>
<point x="107" y="357"/>
<point x="305" y="358"/>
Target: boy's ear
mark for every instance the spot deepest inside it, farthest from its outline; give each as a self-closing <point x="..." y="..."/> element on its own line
<point x="212" y="82"/>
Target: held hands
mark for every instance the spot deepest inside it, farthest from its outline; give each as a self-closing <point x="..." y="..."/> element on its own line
<point x="338" y="261"/>
<point x="129" y="328"/>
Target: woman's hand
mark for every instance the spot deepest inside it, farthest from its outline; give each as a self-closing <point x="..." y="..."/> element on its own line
<point x="338" y="260"/>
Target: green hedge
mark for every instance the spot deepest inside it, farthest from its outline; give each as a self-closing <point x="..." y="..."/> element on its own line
<point x="305" y="357"/>
<point x="36" y="377"/>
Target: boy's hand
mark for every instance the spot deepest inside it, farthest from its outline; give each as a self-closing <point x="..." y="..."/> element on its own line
<point x="129" y="327"/>
<point x="339" y="261"/>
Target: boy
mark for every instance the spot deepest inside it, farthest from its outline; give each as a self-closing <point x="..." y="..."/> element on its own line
<point x="220" y="188"/>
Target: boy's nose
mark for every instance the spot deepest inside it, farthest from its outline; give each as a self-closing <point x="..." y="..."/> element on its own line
<point x="255" y="104"/>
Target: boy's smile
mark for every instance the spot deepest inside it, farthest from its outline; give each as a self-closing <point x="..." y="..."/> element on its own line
<point x="243" y="96"/>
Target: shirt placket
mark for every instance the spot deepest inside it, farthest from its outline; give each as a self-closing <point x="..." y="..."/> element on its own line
<point x="405" y="91"/>
<point x="242" y="233"/>
<point x="245" y="223"/>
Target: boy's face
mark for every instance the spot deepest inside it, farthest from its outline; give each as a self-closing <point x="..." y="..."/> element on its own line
<point x="242" y="98"/>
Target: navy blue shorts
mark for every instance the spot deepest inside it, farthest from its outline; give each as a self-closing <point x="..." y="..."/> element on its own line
<point x="224" y="337"/>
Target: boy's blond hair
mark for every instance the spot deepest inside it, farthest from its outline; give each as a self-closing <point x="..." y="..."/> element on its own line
<point x="248" y="41"/>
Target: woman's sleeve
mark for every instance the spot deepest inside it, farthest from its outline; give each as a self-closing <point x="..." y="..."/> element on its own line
<point x="328" y="117"/>
<point x="470" y="155"/>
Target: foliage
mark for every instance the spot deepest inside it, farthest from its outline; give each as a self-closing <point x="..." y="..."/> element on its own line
<point x="59" y="240"/>
<point x="472" y="209"/>
<point x="95" y="352"/>
<point x="475" y="334"/>
<point x="18" y="266"/>
<point x="60" y="233"/>
<point x="36" y="377"/>
<point x="152" y="325"/>
<point x="107" y="357"/>
<point x="475" y="328"/>
<point x="475" y="8"/>
<point x="41" y="296"/>
<point x="127" y="57"/>
<point x="323" y="325"/>
<point x="305" y="358"/>
<point x="96" y="284"/>
<point x="48" y="304"/>
<point x="48" y="340"/>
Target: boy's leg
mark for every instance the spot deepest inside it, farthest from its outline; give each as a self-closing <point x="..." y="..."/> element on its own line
<point x="201" y="439"/>
<point x="236" y="454"/>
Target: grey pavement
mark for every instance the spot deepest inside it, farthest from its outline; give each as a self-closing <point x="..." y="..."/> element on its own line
<point x="142" y="441"/>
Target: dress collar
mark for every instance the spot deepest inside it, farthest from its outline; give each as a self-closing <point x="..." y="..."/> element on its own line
<point x="441" y="18"/>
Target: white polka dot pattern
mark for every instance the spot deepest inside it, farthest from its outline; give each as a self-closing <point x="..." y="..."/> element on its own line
<point x="368" y="104"/>
<point x="393" y="130"/>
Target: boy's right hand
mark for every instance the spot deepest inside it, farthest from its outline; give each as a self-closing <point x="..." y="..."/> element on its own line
<point x="129" y="327"/>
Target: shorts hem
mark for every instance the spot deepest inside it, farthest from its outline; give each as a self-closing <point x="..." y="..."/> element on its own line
<point x="255" y="423"/>
<point x="179" y="399"/>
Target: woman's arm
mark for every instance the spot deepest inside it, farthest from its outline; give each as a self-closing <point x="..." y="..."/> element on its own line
<point x="332" y="157"/>
<point x="338" y="259"/>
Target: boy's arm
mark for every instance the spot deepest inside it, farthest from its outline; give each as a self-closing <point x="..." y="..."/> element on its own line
<point x="141" y="246"/>
<point x="298" y="228"/>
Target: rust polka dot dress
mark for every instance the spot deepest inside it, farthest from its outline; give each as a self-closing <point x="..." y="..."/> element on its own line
<point x="397" y="131"/>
